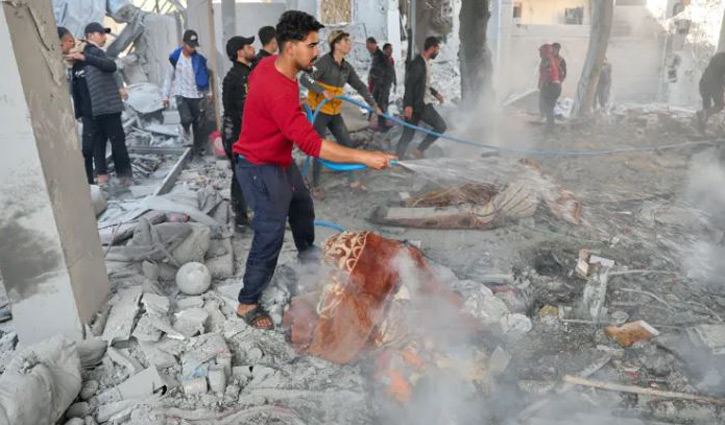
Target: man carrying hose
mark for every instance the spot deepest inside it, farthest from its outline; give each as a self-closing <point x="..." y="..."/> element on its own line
<point x="419" y="98"/>
<point x="273" y="187"/>
<point x="327" y="80"/>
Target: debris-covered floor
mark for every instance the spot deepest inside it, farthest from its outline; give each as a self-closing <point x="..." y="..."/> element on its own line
<point x="572" y="289"/>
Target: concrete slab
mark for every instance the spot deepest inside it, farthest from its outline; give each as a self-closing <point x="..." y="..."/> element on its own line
<point x="123" y="315"/>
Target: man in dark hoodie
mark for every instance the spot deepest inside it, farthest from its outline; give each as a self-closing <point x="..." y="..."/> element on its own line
<point x="419" y="98"/>
<point x="268" y="38"/>
<point x="712" y="90"/>
<point x="234" y="94"/>
<point x="187" y="79"/>
<point x="104" y="95"/>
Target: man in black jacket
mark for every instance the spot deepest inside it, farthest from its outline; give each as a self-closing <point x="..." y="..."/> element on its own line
<point x="234" y="93"/>
<point x="381" y="78"/>
<point x="712" y="90"/>
<point x="419" y="98"/>
<point x="106" y="105"/>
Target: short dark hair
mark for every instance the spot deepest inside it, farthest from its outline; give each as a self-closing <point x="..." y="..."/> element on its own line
<point x="295" y="25"/>
<point x="371" y="40"/>
<point x="431" y="41"/>
<point x="386" y="45"/>
<point x="267" y="34"/>
<point x="62" y="32"/>
<point x="556" y="45"/>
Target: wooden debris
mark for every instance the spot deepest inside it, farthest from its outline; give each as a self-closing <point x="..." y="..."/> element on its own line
<point x="630" y="333"/>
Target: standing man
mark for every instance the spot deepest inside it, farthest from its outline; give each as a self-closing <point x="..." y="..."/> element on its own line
<point x="382" y="76"/>
<point x="549" y="84"/>
<point x="419" y="98"/>
<point x="187" y="79"/>
<point x="562" y="62"/>
<point x="234" y="93"/>
<point x="712" y="90"/>
<point x="604" y="85"/>
<point x="268" y="38"/>
<point x="327" y="80"/>
<point x="273" y="124"/>
<point x="106" y="104"/>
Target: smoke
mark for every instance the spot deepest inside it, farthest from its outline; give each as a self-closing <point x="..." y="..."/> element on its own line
<point x="703" y="258"/>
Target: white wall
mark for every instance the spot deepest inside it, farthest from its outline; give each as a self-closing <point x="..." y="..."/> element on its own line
<point x="550" y="12"/>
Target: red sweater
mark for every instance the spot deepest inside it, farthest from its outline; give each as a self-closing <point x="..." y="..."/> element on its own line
<point x="273" y="120"/>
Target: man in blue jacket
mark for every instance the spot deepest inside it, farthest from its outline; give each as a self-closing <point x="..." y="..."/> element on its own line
<point x="187" y="80"/>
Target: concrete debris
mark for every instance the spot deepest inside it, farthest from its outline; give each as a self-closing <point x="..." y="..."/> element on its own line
<point x="121" y="358"/>
<point x="98" y="200"/>
<point x="78" y="410"/>
<point x="710" y="336"/>
<point x="154" y="355"/>
<point x="201" y="350"/>
<point x="195" y="386"/>
<point x="191" y="322"/>
<point x="89" y="389"/>
<point x="145" y="383"/>
<point x="193" y="278"/>
<point x="594" y="296"/>
<point x="194" y="247"/>
<point x="217" y="379"/>
<point x="123" y="315"/>
<point x="49" y="371"/>
<point x="631" y="333"/>
<point x="91" y="352"/>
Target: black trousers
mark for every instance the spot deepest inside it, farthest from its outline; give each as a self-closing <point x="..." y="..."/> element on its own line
<point x="229" y="136"/>
<point x="337" y="127"/>
<point x="548" y="95"/>
<point x="193" y="117"/>
<point x="382" y="98"/>
<point x="105" y="128"/>
<point x="277" y="195"/>
<point x="428" y="115"/>
<point x="87" y="147"/>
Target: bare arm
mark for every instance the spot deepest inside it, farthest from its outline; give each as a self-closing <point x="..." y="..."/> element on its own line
<point x="338" y="153"/>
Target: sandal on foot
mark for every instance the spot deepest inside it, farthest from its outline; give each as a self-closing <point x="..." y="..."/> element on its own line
<point x="254" y="316"/>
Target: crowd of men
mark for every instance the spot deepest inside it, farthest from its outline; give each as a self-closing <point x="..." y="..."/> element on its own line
<point x="263" y="120"/>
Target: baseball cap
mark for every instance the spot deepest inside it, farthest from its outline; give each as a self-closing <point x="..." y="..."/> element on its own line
<point x="96" y="27"/>
<point x="236" y="43"/>
<point x="336" y="35"/>
<point x="191" y="38"/>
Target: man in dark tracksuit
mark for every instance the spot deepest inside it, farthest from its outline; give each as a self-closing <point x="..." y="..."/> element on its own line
<point x="273" y="125"/>
<point x="712" y="90"/>
<point x="234" y="93"/>
<point x="328" y="79"/>
<point x="106" y="106"/>
<point x="187" y="80"/>
<point x="382" y="76"/>
<point x="418" y="100"/>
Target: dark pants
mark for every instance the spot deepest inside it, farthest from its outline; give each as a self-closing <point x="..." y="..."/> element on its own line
<point x="192" y="114"/>
<point x="428" y="115"/>
<point x="277" y="195"/>
<point x="603" y="91"/>
<point x="382" y="98"/>
<point x="337" y="127"/>
<point x="105" y="128"/>
<point x="230" y="136"/>
<point x="87" y="147"/>
<point x="548" y="95"/>
<point x="713" y="97"/>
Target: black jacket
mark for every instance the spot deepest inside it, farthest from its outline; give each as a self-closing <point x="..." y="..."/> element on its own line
<point x="415" y="85"/>
<point x="100" y="72"/>
<point x="714" y="74"/>
<point x="261" y="54"/>
<point x="382" y="72"/>
<point x="234" y="94"/>
<point x="79" y="90"/>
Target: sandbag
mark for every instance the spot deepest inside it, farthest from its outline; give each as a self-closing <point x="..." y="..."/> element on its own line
<point x="40" y="383"/>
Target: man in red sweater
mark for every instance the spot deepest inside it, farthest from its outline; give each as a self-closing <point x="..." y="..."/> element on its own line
<point x="273" y="123"/>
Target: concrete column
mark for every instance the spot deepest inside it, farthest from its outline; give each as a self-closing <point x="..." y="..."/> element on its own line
<point x="229" y="20"/>
<point x="50" y="252"/>
<point x="200" y="18"/>
<point x="504" y="42"/>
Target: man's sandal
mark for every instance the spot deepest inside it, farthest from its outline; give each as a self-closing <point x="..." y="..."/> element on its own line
<point x="256" y="315"/>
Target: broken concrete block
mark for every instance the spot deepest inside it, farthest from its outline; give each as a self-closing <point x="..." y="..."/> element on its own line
<point x="630" y="333"/>
<point x="582" y="265"/>
<point x="217" y="379"/>
<point x="89" y="389"/>
<point x="150" y="270"/>
<point x="167" y="272"/>
<point x="191" y="322"/>
<point x="216" y="318"/>
<point x="131" y="365"/>
<point x="146" y="331"/>
<point x="193" y="278"/>
<point x="90" y="421"/>
<point x="123" y="315"/>
<point x="78" y="410"/>
<point x="231" y="394"/>
<point x="191" y="302"/>
<point x="156" y="304"/>
<point x="222" y="267"/>
<point x="156" y="356"/>
<point x="202" y="349"/>
<point x="195" y="386"/>
<point x="76" y="421"/>
<point x="162" y="323"/>
<point x="595" y="293"/>
<point x="145" y="383"/>
<point x="195" y="245"/>
<point x="225" y="362"/>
